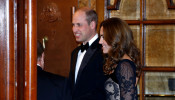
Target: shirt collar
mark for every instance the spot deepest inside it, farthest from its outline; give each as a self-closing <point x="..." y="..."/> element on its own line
<point x="93" y="39"/>
<point x="38" y="64"/>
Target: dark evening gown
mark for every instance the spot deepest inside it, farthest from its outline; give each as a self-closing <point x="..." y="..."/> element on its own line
<point x="121" y="84"/>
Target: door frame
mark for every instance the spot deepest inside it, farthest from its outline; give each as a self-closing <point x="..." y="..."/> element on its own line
<point x="18" y="50"/>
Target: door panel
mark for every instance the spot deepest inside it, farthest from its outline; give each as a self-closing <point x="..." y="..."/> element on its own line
<point x="54" y="22"/>
<point x="7" y="50"/>
<point x="18" y="50"/>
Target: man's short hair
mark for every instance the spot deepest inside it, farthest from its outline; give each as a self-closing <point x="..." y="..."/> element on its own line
<point x="91" y="15"/>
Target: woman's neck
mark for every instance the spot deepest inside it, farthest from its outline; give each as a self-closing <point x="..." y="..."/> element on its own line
<point x="125" y="56"/>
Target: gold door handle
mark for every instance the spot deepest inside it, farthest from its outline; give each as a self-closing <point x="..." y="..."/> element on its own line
<point x="45" y="39"/>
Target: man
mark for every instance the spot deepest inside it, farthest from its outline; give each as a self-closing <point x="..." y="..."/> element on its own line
<point x="86" y="73"/>
<point x="49" y="86"/>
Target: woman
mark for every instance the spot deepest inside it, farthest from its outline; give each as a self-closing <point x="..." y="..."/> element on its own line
<point x="122" y="59"/>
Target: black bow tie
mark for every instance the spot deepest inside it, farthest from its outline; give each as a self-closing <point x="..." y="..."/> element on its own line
<point x="84" y="47"/>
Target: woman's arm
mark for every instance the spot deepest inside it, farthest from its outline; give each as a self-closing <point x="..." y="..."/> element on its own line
<point x="127" y="81"/>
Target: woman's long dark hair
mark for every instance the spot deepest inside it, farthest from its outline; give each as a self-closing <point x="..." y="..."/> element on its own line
<point x="119" y="36"/>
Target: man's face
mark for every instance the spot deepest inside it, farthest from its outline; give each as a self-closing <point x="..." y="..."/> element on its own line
<point x="42" y="60"/>
<point x="83" y="32"/>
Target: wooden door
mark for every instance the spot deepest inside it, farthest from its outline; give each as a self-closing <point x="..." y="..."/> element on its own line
<point x="7" y="50"/>
<point x="18" y="50"/>
<point x="54" y="23"/>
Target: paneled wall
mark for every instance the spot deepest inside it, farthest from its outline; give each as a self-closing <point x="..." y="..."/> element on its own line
<point x="54" y="26"/>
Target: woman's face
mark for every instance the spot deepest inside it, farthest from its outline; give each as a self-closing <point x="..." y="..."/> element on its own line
<point x="105" y="46"/>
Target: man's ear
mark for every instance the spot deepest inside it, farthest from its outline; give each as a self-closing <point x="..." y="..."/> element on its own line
<point x="93" y="25"/>
<point x="42" y="57"/>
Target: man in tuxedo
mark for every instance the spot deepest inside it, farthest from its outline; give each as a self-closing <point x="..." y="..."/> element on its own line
<point x="49" y="86"/>
<point x="86" y="75"/>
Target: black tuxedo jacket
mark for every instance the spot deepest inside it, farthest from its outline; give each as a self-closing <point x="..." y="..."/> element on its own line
<point x="90" y="79"/>
<point x="49" y="86"/>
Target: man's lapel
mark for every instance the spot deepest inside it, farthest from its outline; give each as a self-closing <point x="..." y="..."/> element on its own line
<point x="89" y="53"/>
<point x="74" y="60"/>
